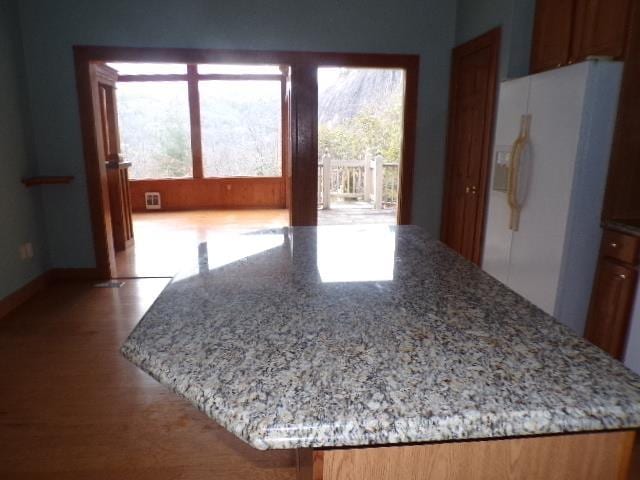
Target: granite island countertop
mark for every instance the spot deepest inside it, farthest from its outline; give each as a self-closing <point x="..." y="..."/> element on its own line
<point x="344" y="336"/>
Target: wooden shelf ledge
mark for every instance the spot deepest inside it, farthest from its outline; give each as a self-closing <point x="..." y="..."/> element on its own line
<point x="50" y="180"/>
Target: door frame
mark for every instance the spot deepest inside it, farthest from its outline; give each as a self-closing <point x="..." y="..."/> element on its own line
<point x="304" y="169"/>
<point x="489" y="39"/>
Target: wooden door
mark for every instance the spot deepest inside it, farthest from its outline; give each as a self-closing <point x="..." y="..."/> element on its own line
<point x="552" y="34"/>
<point x="604" y="27"/>
<point x="471" y="118"/>
<point x="117" y="169"/>
<point x="611" y="302"/>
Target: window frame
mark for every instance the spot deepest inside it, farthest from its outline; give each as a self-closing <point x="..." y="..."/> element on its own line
<point x="193" y="78"/>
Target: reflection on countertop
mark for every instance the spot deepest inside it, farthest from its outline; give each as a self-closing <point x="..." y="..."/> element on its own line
<point x="361" y="335"/>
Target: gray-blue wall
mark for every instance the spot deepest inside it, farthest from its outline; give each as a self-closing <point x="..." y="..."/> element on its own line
<point x="49" y="29"/>
<point x="475" y="17"/>
<point x="20" y="208"/>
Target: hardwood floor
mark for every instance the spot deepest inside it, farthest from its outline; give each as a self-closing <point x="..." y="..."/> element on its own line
<point x="72" y="407"/>
<point x="166" y="240"/>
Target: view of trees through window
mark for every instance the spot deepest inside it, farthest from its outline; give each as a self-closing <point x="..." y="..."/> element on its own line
<point x="360" y="115"/>
<point x="155" y="133"/>
<point x="241" y="122"/>
<point x="360" y="111"/>
<point x="360" y="126"/>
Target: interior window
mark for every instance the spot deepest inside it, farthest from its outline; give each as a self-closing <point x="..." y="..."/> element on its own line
<point x="241" y="122"/>
<point x="154" y="129"/>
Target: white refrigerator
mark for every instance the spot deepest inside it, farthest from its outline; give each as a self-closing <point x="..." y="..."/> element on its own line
<point x="550" y="257"/>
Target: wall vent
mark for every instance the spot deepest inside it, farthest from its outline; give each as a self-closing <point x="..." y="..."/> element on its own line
<point x="152" y="201"/>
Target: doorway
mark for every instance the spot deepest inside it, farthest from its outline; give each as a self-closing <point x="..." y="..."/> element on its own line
<point x="471" y="118"/>
<point x="299" y="128"/>
<point x="199" y="148"/>
<point x="360" y="136"/>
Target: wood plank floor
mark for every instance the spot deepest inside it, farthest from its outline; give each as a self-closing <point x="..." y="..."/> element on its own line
<point x="71" y="407"/>
<point x="164" y="241"/>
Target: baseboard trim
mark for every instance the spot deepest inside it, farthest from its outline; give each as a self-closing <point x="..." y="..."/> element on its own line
<point x="56" y="274"/>
<point x="24" y="293"/>
<point x="31" y="288"/>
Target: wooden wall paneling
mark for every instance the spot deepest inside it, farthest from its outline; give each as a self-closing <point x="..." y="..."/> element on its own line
<point x="304" y="144"/>
<point x="88" y="101"/>
<point x="622" y="197"/>
<point x="585" y="456"/>
<point x="188" y="193"/>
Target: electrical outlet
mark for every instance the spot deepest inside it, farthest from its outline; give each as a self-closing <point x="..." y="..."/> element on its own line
<point x="152" y="200"/>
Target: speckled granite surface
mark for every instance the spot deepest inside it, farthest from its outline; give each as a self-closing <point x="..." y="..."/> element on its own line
<point x="369" y="335"/>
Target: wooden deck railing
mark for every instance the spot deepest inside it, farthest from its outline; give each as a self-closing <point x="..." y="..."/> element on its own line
<point x="371" y="180"/>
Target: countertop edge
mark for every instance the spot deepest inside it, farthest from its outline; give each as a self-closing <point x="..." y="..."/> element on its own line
<point x="577" y="420"/>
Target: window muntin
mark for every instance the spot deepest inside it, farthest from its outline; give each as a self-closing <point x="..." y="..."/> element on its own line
<point x="228" y="69"/>
<point x="133" y="68"/>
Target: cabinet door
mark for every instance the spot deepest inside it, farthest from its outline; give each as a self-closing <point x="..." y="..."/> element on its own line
<point x="611" y="302"/>
<point x="552" y="34"/>
<point x="604" y="27"/>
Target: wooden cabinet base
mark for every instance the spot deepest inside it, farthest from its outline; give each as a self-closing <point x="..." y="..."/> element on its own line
<point x="590" y="456"/>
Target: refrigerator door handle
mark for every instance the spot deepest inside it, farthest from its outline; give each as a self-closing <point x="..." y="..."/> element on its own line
<point x="513" y="178"/>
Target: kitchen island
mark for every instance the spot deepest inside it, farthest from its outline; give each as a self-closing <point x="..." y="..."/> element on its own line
<point x="379" y="353"/>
